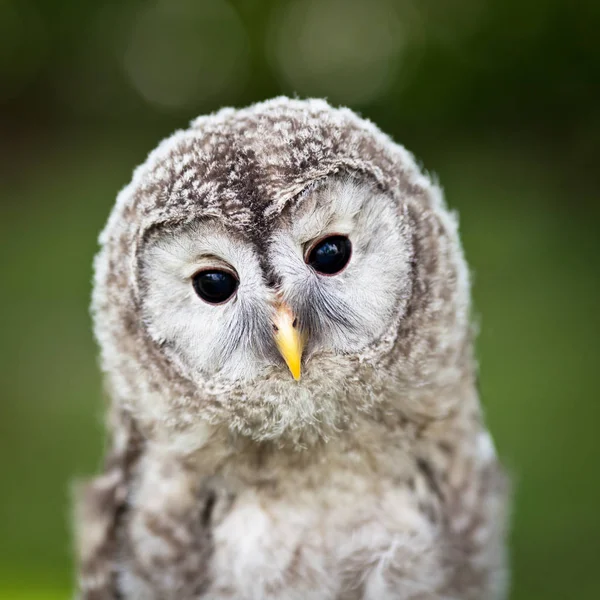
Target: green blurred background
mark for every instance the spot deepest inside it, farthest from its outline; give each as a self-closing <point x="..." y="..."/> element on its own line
<point x="500" y="98"/>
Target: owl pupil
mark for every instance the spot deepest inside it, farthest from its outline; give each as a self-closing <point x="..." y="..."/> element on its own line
<point x="330" y="255"/>
<point x="215" y="286"/>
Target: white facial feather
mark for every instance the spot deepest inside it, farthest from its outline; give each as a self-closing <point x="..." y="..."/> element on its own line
<point x="367" y="291"/>
<point x="196" y="333"/>
<point x="227" y="341"/>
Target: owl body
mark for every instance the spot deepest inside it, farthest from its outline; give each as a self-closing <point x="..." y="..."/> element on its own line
<point x="367" y="516"/>
<point x="283" y="310"/>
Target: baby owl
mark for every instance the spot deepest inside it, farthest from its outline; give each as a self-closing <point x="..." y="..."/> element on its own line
<point x="282" y="306"/>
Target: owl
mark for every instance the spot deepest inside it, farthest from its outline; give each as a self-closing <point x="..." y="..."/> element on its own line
<point x="283" y="310"/>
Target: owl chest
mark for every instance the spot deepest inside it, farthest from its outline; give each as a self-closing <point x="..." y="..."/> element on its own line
<point x="334" y="542"/>
<point x="333" y="545"/>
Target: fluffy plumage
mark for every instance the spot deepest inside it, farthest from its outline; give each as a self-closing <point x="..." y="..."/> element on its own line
<point x="373" y="476"/>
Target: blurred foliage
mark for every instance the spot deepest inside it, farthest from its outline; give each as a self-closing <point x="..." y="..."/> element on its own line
<point x="500" y="98"/>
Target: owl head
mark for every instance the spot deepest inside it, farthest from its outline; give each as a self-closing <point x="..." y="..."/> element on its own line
<point x="278" y="271"/>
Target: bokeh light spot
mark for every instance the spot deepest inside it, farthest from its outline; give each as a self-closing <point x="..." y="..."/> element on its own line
<point x="346" y="50"/>
<point x="183" y="53"/>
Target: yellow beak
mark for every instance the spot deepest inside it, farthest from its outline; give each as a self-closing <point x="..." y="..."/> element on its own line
<point x="288" y="339"/>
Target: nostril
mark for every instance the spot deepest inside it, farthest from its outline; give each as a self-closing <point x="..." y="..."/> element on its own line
<point x="295" y="323"/>
<point x="275" y="328"/>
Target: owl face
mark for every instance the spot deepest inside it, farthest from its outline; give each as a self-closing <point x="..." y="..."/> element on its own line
<point x="279" y="310"/>
<point x="279" y="272"/>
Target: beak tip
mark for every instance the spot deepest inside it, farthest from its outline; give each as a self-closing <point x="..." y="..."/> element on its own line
<point x="295" y="369"/>
<point x="289" y="340"/>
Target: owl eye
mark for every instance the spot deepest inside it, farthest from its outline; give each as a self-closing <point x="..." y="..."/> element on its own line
<point x="330" y="255"/>
<point x="215" y="286"/>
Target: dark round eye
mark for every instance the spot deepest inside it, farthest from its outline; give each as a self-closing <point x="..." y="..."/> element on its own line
<point x="330" y="255"/>
<point x="215" y="286"/>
